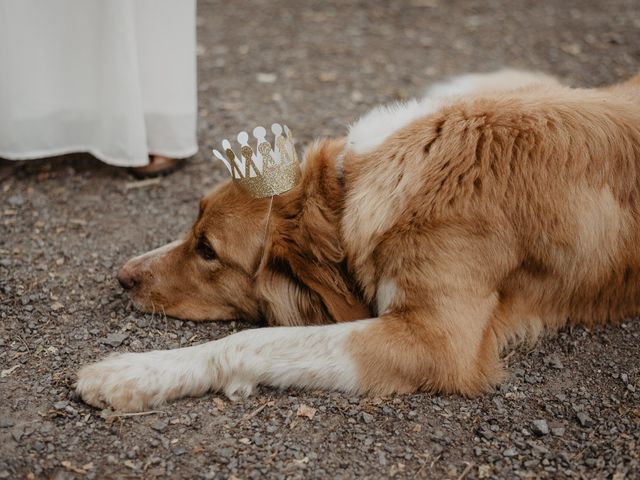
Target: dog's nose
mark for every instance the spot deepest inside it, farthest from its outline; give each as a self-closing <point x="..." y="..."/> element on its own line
<point x="127" y="278"/>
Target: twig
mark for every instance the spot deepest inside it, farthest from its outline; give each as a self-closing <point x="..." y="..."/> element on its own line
<point x="25" y="344"/>
<point x="142" y="183"/>
<point x="249" y="416"/>
<point x="134" y="414"/>
<point x="466" y="471"/>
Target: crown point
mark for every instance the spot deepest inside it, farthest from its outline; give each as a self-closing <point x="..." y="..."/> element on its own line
<point x="276" y="129"/>
<point x="259" y="132"/>
<point x="243" y="138"/>
<point x="226" y="144"/>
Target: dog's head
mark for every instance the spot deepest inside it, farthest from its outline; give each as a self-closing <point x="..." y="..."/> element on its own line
<point x="234" y="263"/>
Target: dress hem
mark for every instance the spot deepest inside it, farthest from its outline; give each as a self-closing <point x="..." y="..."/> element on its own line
<point x="98" y="154"/>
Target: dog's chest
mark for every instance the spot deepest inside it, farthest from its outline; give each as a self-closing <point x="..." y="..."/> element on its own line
<point x="370" y="212"/>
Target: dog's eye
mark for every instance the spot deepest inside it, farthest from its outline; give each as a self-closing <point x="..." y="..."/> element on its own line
<point x="205" y="250"/>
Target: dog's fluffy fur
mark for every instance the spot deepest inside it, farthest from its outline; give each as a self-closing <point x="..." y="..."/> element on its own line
<point x="498" y="207"/>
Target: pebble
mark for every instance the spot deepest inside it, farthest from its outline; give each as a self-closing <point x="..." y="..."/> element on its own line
<point x="6" y="423"/>
<point x="16" y="200"/>
<point x="114" y="339"/>
<point x="540" y="427"/>
<point x="367" y="417"/>
<point x="55" y="306"/>
<point x="554" y="362"/>
<point x="509" y="452"/>
<point x="584" y="419"/>
<point x="159" y="425"/>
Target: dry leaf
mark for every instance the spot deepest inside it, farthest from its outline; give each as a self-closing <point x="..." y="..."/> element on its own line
<point x="8" y="371"/>
<point x="328" y="76"/>
<point x="72" y="468"/>
<point x="219" y="403"/>
<point x="55" y="306"/>
<point x="484" y="471"/>
<point x="306" y="411"/>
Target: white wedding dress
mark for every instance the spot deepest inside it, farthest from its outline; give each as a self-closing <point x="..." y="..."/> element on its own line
<point x="116" y="78"/>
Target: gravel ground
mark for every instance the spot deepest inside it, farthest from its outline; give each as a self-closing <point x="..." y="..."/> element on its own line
<point x="571" y="407"/>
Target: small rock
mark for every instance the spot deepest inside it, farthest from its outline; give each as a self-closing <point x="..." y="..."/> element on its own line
<point x="60" y="405"/>
<point x="356" y="96"/>
<point x="6" y="423"/>
<point x="624" y="377"/>
<point x="557" y="431"/>
<point x="584" y="419"/>
<point x="266" y="77"/>
<point x="142" y="322"/>
<point x="540" y="427"/>
<point x="367" y="417"/>
<point x="159" y="425"/>
<point x="509" y="452"/>
<point x="114" y="339"/>
<point x="56" y="306"/>
<point x="16" y="200"/>
<point x="224" y="452"/>
<point x="554" y="362"/>
<point x="486" y="433"/>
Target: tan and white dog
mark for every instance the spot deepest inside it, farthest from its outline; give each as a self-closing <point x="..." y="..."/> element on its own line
<point x="411" y="254"/>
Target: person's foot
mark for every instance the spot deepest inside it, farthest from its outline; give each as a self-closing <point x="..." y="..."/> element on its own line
<point x="158" y="166"/>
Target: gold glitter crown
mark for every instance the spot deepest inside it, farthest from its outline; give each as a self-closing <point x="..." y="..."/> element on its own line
<point x="267" y="171"/>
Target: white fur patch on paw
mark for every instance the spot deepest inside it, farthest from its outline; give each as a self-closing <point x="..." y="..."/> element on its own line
<point x="125" y="382"/>
<point x="138" y="381"/>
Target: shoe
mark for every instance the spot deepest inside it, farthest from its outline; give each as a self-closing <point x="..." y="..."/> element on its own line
<point x="158" y="167"/>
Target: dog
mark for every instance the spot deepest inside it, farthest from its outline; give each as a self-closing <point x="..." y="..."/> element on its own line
<point x="411" y="254"/>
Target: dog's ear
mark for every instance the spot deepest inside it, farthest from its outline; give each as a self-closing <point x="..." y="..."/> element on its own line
<point x="303" y="278"/>
<point x="298" y="290"/>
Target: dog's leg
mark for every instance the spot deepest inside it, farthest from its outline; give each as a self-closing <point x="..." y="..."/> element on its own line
<point x="394" y="353"/>
<point x="278" y="356"/>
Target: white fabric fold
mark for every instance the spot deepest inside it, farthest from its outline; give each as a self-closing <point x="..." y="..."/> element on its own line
<point x="116" y="78"/>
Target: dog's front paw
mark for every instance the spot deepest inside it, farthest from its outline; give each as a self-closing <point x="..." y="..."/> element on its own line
<point x="128" y="383"/>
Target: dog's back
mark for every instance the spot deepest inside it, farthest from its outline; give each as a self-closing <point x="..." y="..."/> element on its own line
<point x="548" y="176"/>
